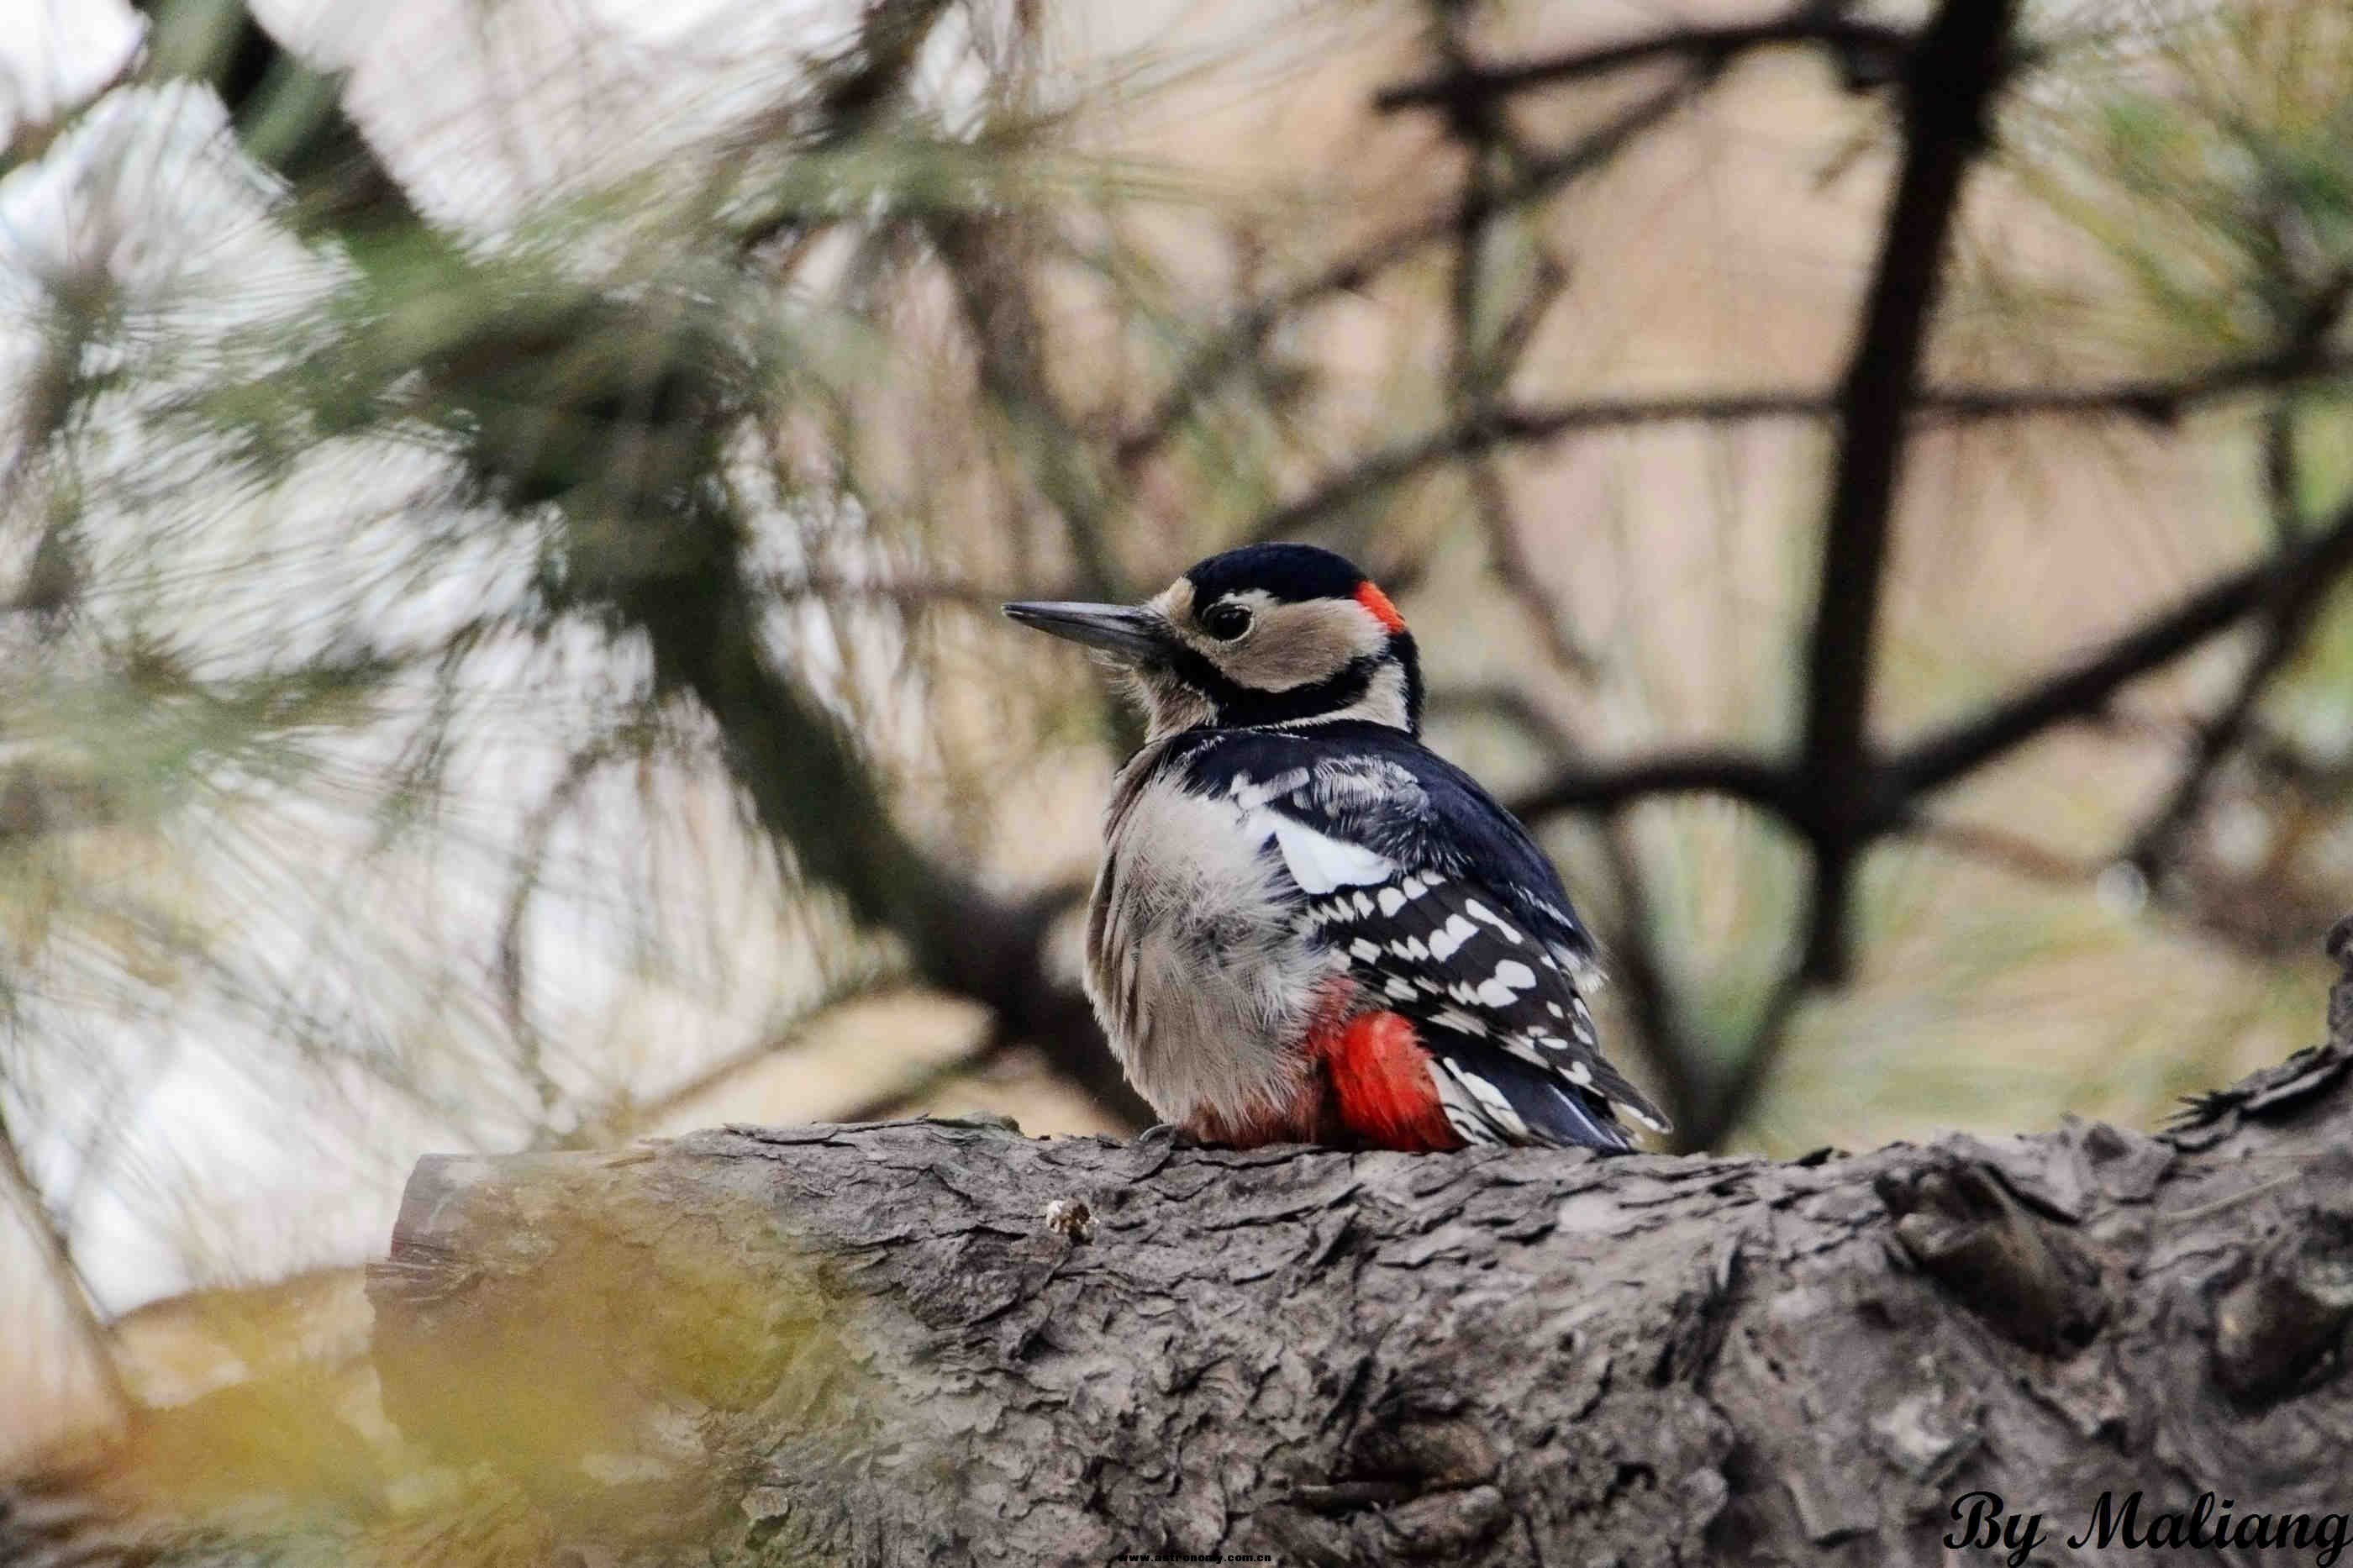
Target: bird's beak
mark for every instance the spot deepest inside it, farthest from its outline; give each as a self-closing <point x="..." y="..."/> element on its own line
<point x="1128" y="634"/>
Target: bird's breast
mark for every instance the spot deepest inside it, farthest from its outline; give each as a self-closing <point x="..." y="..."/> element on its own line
<point x="1197" y="969"/>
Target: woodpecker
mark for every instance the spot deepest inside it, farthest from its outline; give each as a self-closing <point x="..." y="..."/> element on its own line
<point x="1309" y="927"/>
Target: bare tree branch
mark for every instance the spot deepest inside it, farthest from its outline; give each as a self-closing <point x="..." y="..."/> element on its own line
<point x="2081" y="692"/>
<point x="1491" y="150"/>
<point x="1997" y="847"/>
<point x="2287" y="620"/>
<point x="1232" y="347"/>
<point x="2159" y="400"/>
<point x="1384" y="467"/>
<point x="887" y="1337"/>
<point x="1742" y="775"/>
<point x="2083" y="688"/>
<point x="987" y="262"/>
<point x="2153" y="399"/>
<point x="1870" y="50"/>
<point x="1948" y="89"/>
<point x="850" y="88"/>
<point x="1892" y="792"/>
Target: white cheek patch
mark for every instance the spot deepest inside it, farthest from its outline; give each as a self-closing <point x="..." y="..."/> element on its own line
<point x="1297" y="644"/>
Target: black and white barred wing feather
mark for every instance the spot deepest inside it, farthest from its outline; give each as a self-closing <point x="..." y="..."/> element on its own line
<point x="1444" y="907"/>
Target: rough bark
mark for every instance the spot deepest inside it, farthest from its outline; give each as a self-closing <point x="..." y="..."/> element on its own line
<point x="945" y="1343"/>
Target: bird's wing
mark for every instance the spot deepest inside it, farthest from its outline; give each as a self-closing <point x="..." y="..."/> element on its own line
<point x="1445" y="910"/>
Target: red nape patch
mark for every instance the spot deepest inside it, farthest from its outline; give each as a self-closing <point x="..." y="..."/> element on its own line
<point x="1373" y="599"/>
<point x="1381" y="1091"/>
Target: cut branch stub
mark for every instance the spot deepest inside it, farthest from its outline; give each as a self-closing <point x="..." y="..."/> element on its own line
<point x="2305" y="1079"/>
<point x="1961" y="1225"/>
<point x="2282" y="1324"/>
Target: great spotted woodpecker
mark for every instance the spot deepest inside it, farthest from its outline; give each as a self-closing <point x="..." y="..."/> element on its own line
<point x="1309" y="927"/>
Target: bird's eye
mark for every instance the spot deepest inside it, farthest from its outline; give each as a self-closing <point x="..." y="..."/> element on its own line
<point x="1225" y="620"/>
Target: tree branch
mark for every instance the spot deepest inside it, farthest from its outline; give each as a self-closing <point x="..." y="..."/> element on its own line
<point x="1742" y="775"/>
<point x="1895" y="791"/>
<point x="1208" y="367"/>
<point x="1482" y="363"/>
<point x="2083" y="689"/>
<point x="1870" y="51"/>
<point x="1635" y="961"/>
<point x="2287" y="620"/>
<point x="2154" y="399"/>
<point x="847" y="93"/>
<point x="1948" y="92"/>
<point x="855" y="1343"/>
<point x="1999" y="847"/>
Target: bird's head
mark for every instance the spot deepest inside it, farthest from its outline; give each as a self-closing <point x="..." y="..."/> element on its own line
<point x="1272" y="634"/>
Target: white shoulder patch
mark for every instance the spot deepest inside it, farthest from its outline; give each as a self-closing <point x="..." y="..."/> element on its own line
<point x="1320" y="863"/>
